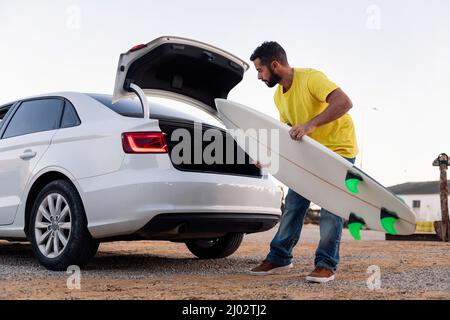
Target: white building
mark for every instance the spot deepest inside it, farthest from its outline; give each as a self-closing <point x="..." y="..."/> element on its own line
<point x="423" y="197"/>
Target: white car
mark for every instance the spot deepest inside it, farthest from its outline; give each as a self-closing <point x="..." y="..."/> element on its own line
<point x="77" y="169"/>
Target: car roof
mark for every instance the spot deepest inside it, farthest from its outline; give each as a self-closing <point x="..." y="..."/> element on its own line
<point x="175" y="110"/>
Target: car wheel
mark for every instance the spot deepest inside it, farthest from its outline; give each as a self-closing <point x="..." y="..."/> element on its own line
<point x="215" y="248"/>
<point x="58" y="228"/>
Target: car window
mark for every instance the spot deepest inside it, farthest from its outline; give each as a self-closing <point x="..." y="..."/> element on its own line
<point x="3" y="111"/>
<point x="133" y="108"/>
<point x="35" y="116"/>
<point x="128" y="108"/>
<point x="70" y="117"/>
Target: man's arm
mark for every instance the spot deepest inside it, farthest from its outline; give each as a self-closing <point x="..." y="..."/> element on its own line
<point x="339" y="104"/>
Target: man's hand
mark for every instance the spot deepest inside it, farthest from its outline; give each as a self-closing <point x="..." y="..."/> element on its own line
<point x="257" y="164"/>
<point x="338" y="104"/>
<point x="297" y="132"/>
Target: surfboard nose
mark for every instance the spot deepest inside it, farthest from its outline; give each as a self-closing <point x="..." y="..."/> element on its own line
<point x="220" y="104"/>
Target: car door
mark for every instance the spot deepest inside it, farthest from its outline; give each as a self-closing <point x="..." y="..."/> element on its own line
<point x="25" y="135"/>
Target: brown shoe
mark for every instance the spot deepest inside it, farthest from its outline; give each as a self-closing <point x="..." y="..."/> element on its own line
<point x="267" y="267"/>
<point x="320" y="275"/>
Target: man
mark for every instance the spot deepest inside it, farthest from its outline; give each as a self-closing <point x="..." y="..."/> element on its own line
<point x="312" y="105"/>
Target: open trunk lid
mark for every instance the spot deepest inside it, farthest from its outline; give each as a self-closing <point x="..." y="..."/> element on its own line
<point x="181" y="69"/>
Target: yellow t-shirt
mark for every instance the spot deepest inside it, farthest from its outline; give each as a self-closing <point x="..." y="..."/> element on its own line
<point x="305" y="99"/>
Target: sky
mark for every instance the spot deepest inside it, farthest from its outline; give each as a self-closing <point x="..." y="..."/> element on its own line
<point x="391" y="57"/>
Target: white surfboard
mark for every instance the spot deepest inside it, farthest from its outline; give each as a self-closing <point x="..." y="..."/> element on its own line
<point x="322" y="176"/>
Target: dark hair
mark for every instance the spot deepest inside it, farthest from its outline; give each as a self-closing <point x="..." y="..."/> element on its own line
<point x="268" y="52"/>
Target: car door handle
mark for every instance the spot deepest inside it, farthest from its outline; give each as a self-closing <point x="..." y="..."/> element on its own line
<point x="28" y="154"/>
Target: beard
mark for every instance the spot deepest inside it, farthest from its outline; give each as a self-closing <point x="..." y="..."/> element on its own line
<point x="273" y="80"/>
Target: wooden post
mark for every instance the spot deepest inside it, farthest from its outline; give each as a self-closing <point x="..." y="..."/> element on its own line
<point x="443" y="163"/>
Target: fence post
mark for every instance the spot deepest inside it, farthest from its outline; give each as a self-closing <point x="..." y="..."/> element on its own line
<point x="443" y="163"/>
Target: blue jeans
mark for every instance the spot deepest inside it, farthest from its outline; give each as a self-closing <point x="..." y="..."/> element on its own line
<point x="295" y="209"/>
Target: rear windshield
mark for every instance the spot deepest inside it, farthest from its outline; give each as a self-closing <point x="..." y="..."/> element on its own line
<point x="127" y="108"/>
<point x="133" y="108"/>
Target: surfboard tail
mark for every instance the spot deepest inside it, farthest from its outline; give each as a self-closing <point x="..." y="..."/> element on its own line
<point x="352" y="181"/>
<point x="388" y="220"/>
<point x="355" y="224"/>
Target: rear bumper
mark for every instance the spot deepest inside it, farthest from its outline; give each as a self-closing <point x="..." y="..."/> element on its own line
<point x="125" y="202"/>
<point x="178" y="226"/>
<point x="203" y="225"/>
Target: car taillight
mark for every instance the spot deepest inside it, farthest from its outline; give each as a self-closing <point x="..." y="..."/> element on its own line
<point x="144" y="142"/>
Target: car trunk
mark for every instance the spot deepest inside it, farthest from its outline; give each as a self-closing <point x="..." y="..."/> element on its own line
<point x="230" y="158"/>
<point x="170" y="120"/>
<point x="194" y="73"/>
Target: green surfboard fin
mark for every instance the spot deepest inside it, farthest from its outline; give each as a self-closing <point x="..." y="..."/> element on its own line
<point x="388" y="220"/>
<point x="352" y="181"/>
<point x="355" y="224"/>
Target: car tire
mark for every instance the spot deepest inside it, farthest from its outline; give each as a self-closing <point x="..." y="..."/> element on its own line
<point x="215" y="248"/>
<point x="58" y="228"/>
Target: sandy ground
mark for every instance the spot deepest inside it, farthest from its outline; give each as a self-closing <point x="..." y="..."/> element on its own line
<point x="164" y="270"/>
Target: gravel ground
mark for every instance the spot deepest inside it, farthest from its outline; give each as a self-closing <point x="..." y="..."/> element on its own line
<point x="165" y="270"/>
